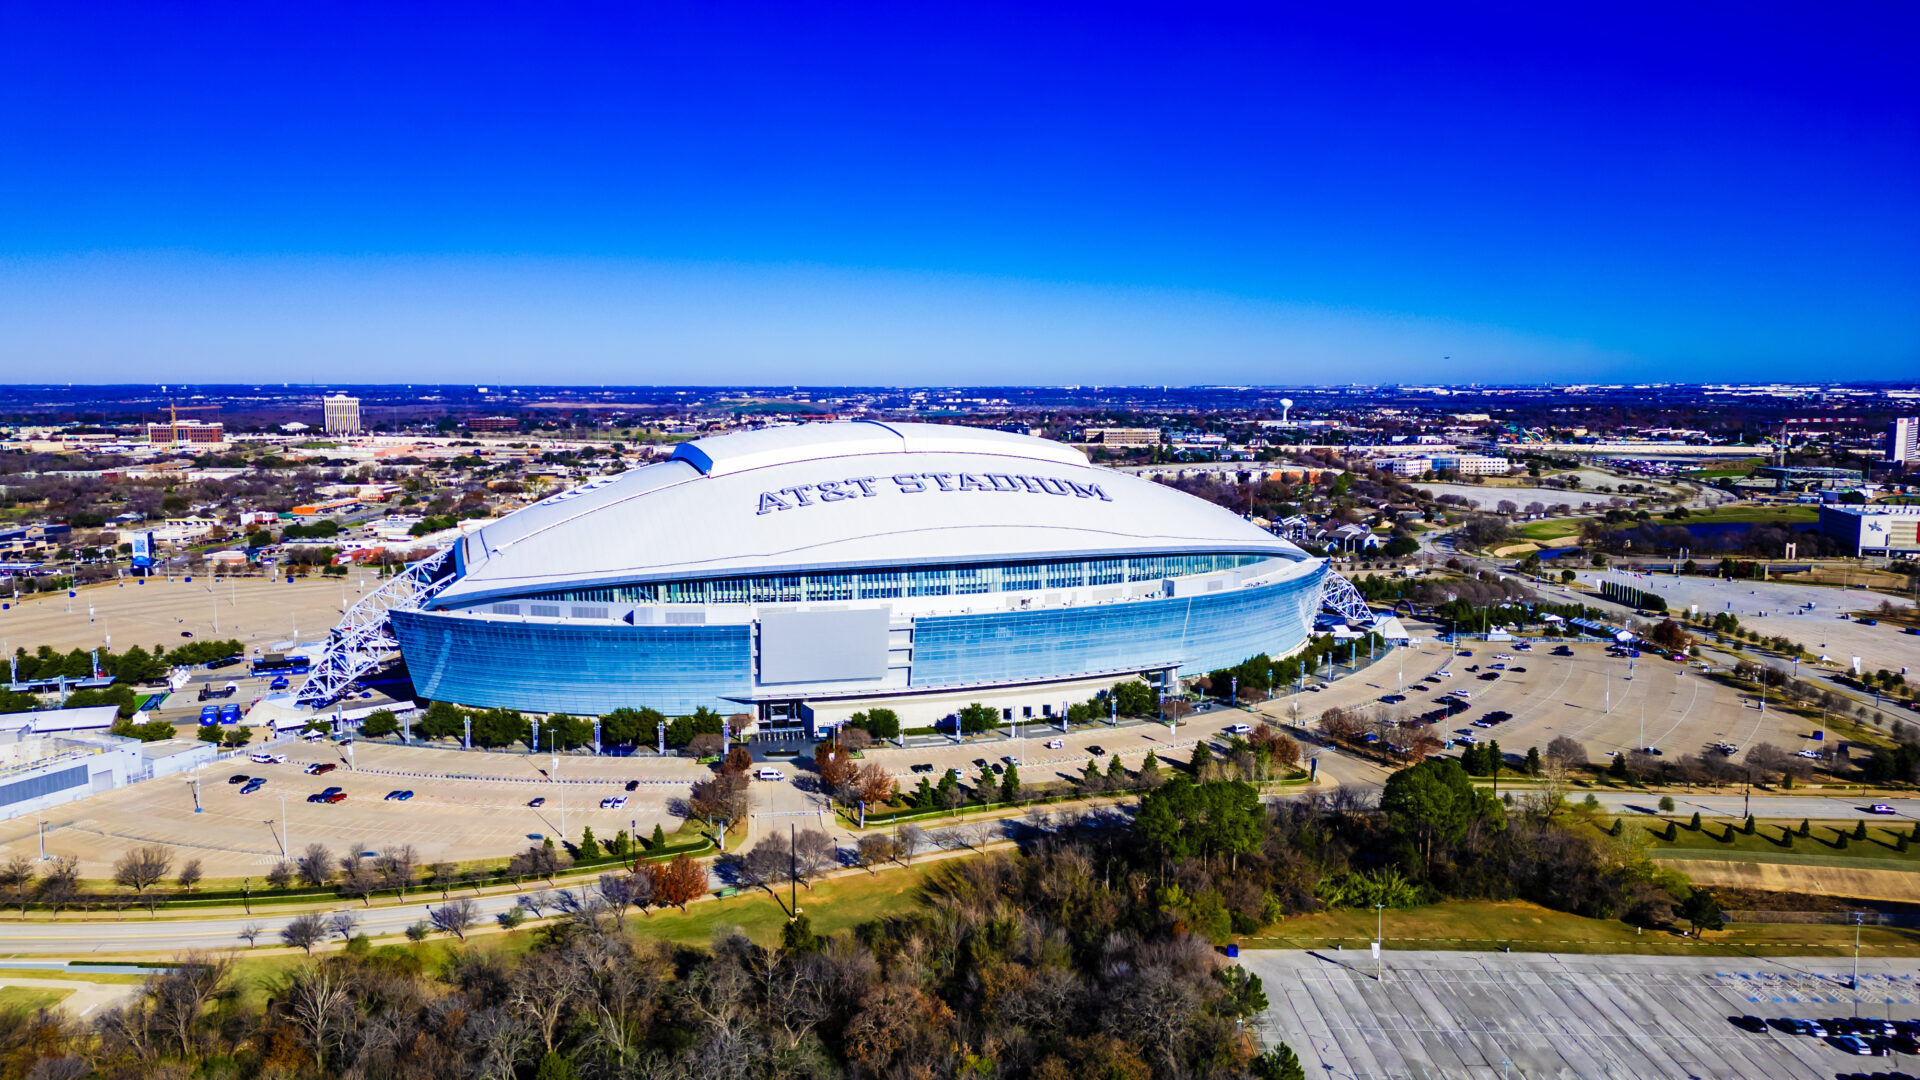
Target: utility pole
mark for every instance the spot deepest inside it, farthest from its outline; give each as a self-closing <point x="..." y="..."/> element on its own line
<point x="1856" y="962"/>
<point x="1379" y="937"/>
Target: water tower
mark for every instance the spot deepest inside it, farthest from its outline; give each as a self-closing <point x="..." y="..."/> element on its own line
<point x="1285" y="404"/>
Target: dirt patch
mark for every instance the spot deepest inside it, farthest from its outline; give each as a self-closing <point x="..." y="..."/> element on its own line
<point x="1507" y="551"/>
<point x="1896" y="885"/>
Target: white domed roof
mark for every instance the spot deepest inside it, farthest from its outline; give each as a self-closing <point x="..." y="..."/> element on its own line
<point x="841" y="495"/>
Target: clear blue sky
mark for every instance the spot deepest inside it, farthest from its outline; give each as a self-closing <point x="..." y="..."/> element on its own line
<point x="973" y="192"/>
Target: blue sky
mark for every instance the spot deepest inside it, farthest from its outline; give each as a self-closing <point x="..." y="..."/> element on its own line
<point x="967" y="193"/>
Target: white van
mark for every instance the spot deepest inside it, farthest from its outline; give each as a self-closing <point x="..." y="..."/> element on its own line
<point x="1463" y="695"/>
<point x="1239" y="729"/>
<point x="767" y="774"/>
<point x="1055" y="744"/>
<point x="267" y="759"/>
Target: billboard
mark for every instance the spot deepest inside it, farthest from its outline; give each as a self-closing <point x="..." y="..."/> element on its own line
<point x="143" y="550"/>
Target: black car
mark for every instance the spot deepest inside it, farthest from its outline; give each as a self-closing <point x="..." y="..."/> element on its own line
<point x="923" y="767"/>
<point x="238" y="778"/>
<point x="1749" y="1023"/>
<point x="1518" y="670"/>
<point x="1095" y="751"/>
<point x="633" y="785"/>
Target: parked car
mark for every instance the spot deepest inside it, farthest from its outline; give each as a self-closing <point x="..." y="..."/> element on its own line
<point x="1052" y="744"/>
<point x="399" y="796"/>
<point x="1749" y="1023"/>
<point x="537" y="801"/>
<point x="633" y="785"/>
<point x="338" y="796"/>
<point x="1239" y="729"/>
<point x="238" y="778"/>
<point x="613" y="802"/>
<point x="320" y="767"/>
<point x="268" y="759"/>
<point x="279" y="683"/>
<point x="1852" y="1044"/>
<point x="253" y="785"/>
<point x="1096" y="751"/>
<point x="923" y="767"/>
<point x="759" y="774"/>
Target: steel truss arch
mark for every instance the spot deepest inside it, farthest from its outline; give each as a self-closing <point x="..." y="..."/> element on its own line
<point x="364" y="639"/>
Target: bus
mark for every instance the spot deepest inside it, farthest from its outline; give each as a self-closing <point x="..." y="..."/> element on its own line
<point x="281" y="664"/>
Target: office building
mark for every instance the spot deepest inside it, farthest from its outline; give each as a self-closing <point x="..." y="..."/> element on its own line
<point x="341" y="413"/>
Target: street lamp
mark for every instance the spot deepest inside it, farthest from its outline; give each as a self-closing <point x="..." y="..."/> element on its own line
<point x="1379" y="937"/>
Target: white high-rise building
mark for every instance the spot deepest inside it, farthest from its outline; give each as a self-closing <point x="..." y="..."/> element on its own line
<point x="342" y="414"/>
<point x="1903" y="440"/>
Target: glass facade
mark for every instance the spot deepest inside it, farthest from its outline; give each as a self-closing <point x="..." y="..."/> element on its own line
<point x="1197" y="634"/>
<point x="952" y="580"/>
<point x="581" y="669"/>
<point x="590" y="669"/>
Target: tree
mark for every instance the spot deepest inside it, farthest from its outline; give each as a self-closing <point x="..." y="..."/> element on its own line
<point x="555" y="1066"/>
<point x="305" y="931"/>
<point x="1860" y="830"/>
<point x="882" y="724"/>
<point x="17" y="880"/>
<point x="343" y="923"/>
<point x="250" y="933"/>
<point x="280" y="875"/>
<point x="1533" y="761"/>
<point x="315" y="865"/>
<point x="1010" y="784"/>
<point x="189" y="876"/>
<point x="1434" y="802"/>
<point x="678" y="882"/>
<point x="142" y="868"/>
<point x="1694" y="824"/>
<point x="417" y="932"/>
<point x="1182" y="819"/>
<point x="814" y="853"/>
<point x="380" y="724"/>
<point x="798" y="936"/>
<point x="875" y="849"/>
<point x="739" y="760"/>
<point x="1666" y="804"/>
<point x="1279" y="1063"/>
<point x="589" y="847"/>
<point x="1618" y="768"/>
<point x="1202" y="757"/>
<point x="60" y="884"/>
<point x="659" y="838"/>
<point x="910" y="839"/>
<point x="455" y="917"/>
<point x="721" y="797"/>
<point x="1150" y="770"/>
<point x="1702" y="911"/>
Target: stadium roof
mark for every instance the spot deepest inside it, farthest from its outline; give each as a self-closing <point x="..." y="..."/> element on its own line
<point x="840" y="495"/>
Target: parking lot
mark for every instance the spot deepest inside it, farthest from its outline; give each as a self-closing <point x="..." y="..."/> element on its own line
<point x="254" y="611"/>
<point x="1439" y="1015"/>
<point x="464" y="806"/>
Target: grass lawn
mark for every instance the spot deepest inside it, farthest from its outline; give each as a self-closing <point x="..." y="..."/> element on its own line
<point x="1552" y="529"/>
<point x="1877" y="851"/>
<point x="1478" y="924"/>
<point x="1745" y="515"/>
<point x="832" y="906"/>
<point x="29" y="998"/>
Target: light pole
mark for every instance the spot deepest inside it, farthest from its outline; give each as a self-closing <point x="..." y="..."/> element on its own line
<point x="1379" y="937"/>
<point x="1856" y="963"/>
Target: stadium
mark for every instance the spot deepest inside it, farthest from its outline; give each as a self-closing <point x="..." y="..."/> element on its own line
<point x="803" y="573"/>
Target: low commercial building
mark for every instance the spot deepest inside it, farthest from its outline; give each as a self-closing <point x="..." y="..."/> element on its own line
<point x="1873" y="530"/>
<point x="1124" y="436"/>
<point x="38" y="770"/>
<point x="187" y="433"/>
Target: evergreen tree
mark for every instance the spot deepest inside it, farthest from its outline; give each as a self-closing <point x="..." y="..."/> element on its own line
<point x="1533" y="761"/>
<point x="1900" y="842"/>
<point x="1010" y="784"/>
<point x="1494" y="758"/>
<point x="798" y="936"/>
<point x="1860" y="830"/>
<point x="1673" y="832"/>
<point x="1749" y="826"/>
<point x="985" y="786"/>
<point x="1695" y="823"/>
<point x="1150" y="769"/>
<point x="620" y="846"/>
<point x="658" y="840"/>
<point x="1805" y="829"/>
<point x="1618" y="770"/>
<point x="1201" y="756"/>
<point x="1116" y="773"/>
<point x="555" y="1067"/>
<point x="589" y="847"/>
<point x="1619" y="827"/>
<point x="1840" y="842"/>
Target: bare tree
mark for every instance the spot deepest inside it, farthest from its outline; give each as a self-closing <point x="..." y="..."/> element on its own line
<point x="343" y="923"/>
<point x="912" y="839"/>
<point x="61" y="883"/>
<point x="1568" y="751"/>
<point x="315" y="865"/>
<point x="444" y="875"/>
<point x="305" y="931"/>
<point x="396" y="866"/>
<point x="17" y="880"/>
<point x="250" y="933"/>
<point x="455" y="917"/>
<point x="179" y="996"/>
<point x="142" y="868"/>
<point x="618" y="891"/>
<point x="539" y="901"/>
<point x="767" y="863"/>
<point x="814" y="853"/>
<point x="189" y="876"/>
<point x="875" y="850"/>
<point x="538" y="860"/>
<point x="281" y="875"/>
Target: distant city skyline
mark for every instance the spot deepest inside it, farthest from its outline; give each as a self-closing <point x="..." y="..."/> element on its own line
<point x="1000" y="195"/>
